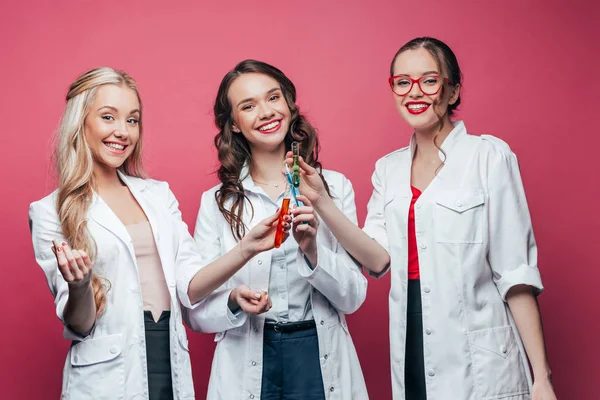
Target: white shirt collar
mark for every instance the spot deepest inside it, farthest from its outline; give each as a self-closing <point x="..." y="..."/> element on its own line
<point x="457" y="132"/>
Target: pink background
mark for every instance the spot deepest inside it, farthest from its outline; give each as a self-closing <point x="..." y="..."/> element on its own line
<point x="531" y="78"/>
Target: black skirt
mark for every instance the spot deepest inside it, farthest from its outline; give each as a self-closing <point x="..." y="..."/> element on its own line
<point x="414" y="363"/>
<point x="158" y="356"/>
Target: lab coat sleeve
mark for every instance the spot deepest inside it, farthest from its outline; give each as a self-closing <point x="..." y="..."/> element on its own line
<point x="375" y="221"/>
<point x="512" y="252"/>
<point x="337" y="276"/>
<point x="45" y="227"/>
<point x="211" y="314"/>
<point x="188" y="258"/>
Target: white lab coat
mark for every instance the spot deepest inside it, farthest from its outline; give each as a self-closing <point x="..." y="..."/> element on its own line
<point x="110" y="363"/>
<point x="475" y="242"/>
<point x="339" y="288"/>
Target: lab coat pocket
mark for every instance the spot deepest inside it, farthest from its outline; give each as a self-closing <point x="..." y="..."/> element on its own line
<point x="97" y="369"/>
<point x="459" y="217"/>
<point x="497" y="363"/>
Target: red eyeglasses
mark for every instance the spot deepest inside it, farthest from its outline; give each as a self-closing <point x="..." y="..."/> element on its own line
<point x="429" y="84"/>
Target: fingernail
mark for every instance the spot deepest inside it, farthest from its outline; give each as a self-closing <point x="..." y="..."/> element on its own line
<point x="257" y="295"/>
<point x="59" y="249"/>
<point x="64" y="243"/>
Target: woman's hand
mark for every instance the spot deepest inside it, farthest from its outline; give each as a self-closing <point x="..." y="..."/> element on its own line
<point x="250" y="301"/>
<point x="74" y="265"/>
<point x="305" y="227"/>
<point x="311" y="184"/>
<point x="542" y="390"/>
<point x="262" y="236"/>
<point x="76" y="268"/>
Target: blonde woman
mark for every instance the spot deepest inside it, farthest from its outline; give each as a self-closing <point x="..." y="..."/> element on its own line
<point x="110" y="243"/>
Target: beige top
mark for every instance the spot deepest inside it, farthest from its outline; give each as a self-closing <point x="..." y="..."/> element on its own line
<point x="155" y="293"/>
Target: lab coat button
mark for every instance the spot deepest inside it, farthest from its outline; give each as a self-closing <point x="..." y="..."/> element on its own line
<point x="113" y="350"/>
<point x="431" y="373"/>
<point x="259" y="262"/>
<point x="322" y="322"/>
<point x="458" y="203"/>
<point x="426" y="289"/>
<point x="428" y="331"/>
<point x="331" y="389"/>
<point x="418" y="206"/>
<point x="326" y="356"/>
<point x="251" y="396"/>
<point x="423" y="246"/>
<point x="503" y="349"/>
<point x="253" y="363"/>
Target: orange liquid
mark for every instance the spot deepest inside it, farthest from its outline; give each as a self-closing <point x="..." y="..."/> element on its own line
<point x="279" y="234"/>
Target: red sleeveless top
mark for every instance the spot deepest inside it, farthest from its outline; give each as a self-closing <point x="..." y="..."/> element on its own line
<point x="413" y="253"/>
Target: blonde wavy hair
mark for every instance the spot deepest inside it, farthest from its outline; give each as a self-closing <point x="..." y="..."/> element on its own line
<point x="75" y="165"/>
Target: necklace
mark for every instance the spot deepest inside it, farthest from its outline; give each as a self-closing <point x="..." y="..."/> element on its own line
<point x="268" y="184"/>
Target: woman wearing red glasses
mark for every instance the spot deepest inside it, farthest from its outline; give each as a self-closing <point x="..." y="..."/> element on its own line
<point x="449" y="217"/>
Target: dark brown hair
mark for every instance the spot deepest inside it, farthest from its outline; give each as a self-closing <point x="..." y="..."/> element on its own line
<point x="446" y="62"/>
<point x="233" y="148"/>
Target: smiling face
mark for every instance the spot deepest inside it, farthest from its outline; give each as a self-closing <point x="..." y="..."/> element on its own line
<point x="112" y="125"/>
<point x="418" y="109"/>
<point x="260" y="111"/>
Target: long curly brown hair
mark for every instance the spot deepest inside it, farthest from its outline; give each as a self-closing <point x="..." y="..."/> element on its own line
<point x="233" y="148"/>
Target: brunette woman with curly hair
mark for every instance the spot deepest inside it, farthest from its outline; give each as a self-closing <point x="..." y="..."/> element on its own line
<point x="278" y="313"/>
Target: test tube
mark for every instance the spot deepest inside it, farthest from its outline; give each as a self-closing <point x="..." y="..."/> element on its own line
<point x="285" y="206"/>
<point x="296" y="167"/>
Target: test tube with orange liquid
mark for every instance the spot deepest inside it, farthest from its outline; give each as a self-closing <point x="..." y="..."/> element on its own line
<point x="285" y="205"/>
